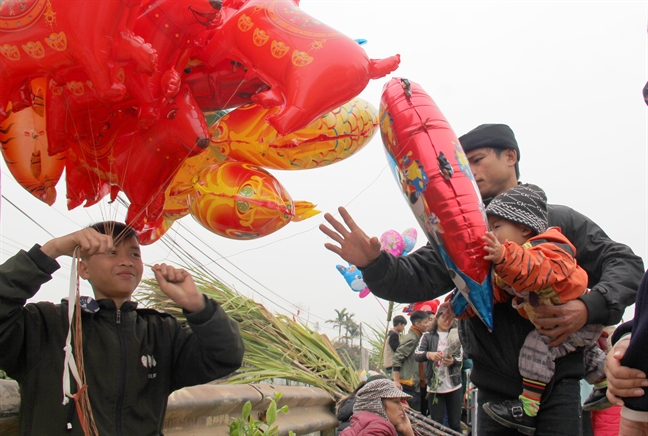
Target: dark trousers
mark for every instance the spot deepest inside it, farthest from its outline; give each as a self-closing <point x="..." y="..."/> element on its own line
<point x="449" y="403"/>
<point x="424" y="402"/>
<point x="415" y="401"/>
<point x="560" y="413"/>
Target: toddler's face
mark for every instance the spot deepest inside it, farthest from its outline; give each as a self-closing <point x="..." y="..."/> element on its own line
<point x="506" y="230"/>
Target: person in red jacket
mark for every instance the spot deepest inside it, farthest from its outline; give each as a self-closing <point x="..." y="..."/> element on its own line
<point x="535" y="266"/>
<point x="379" y="411"/>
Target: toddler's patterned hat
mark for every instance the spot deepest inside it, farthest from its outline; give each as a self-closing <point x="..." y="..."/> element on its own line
<point x="522" y="204"/>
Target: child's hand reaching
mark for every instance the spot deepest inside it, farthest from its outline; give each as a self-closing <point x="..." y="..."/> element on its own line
<point x="493" y="247"/>
<point x="179" y="286"/>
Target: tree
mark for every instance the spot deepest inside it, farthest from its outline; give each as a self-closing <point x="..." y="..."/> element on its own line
<point x="350" y="324"/>
<point x="340" y="321"/>
<point x="353" y="331"/>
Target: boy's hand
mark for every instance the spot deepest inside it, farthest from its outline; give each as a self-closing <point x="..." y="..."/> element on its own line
<point x="492" y="247"/>
<point x="179" y="286"/>
<point x="355" y="246"/>
<point x="89" y="241"/>
<point x="622" y="381"/>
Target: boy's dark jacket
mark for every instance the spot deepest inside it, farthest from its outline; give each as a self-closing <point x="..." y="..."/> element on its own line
<point x="614" y="273"/>
<point x="134" y="358"/>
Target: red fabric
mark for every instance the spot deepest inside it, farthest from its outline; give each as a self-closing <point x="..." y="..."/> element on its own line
<point x="606" y="422"/>
<point x="369" y="424"/>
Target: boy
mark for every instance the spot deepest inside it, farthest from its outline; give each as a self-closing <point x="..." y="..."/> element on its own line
<point x="134" y="358"/>
<point x="534" y="265"/>
<point x="407" y="371"/>
<point x="393" y="341"/>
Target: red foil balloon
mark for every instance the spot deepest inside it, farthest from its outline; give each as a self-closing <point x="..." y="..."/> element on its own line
<point x="310" y="67"/>
<point x="437" y="182"/>
<point x="47" y="37"/>
<point x="241" y="201"/>
<point x="142" y="163"/>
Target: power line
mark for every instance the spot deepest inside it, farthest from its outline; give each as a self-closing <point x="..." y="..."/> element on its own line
<point x="27" y="215"/>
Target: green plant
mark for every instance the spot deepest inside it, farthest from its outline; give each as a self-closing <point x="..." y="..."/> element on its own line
<point x="247" y="426"/>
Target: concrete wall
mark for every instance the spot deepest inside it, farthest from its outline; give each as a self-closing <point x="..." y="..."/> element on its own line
<point x="208" y="409"/>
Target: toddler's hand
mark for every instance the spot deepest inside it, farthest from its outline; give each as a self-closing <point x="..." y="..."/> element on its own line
<point x="492" y="247"/>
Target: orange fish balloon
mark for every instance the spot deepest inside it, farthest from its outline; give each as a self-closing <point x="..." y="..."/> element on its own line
<point x="24" y="147"/>
<point x="241" y="201"/>
<point x="245" y="135"/>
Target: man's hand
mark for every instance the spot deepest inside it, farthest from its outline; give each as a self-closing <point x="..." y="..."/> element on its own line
<point x="558" y="322"/>
<point x="355" y="246"/>
<point x="178" y="285"/>
<point x="89" y="241"/>
<point x="622" y="381"/>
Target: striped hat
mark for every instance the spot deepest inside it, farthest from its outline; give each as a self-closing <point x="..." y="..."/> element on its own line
<point x="369" y="398"/>
<point x="522" y="204"/>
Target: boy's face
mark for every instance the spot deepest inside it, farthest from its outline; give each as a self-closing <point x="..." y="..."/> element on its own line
<point x="114" y="274"/>
<point x="400" y="328"/>
<point x="506" y="230"/>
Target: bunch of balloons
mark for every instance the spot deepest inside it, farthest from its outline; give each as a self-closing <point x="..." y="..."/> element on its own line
<point x="398" y="244"/>
<point x="115" y="92"/>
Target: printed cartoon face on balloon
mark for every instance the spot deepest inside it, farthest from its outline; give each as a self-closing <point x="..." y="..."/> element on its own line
<point x="241" y="201"/>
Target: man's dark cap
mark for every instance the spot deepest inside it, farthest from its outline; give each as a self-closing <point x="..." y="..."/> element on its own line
<point x="490" y="135"/>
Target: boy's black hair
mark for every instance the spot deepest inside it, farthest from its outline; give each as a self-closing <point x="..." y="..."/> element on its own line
<point x="119" y="231"/>
<point x="418" y="315"/>
<point x="398" y="320"/>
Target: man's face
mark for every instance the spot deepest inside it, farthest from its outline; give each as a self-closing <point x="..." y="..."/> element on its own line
<point x="114" y="274"/>
<point x="424" y="324"/>
<point x="493" y="174"/>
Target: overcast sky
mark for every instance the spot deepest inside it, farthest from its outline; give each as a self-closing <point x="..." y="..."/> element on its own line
<point x="566" y="76"/>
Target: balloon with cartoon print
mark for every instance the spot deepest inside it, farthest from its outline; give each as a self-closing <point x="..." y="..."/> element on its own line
<point x="398" y="244"/>
<point x="438" y="185"/>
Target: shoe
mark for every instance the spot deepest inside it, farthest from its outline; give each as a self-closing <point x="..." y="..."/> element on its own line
<point x="597" y="400"/>
<point x="511" y="414"/>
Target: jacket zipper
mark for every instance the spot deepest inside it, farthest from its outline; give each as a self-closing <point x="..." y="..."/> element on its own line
<point x="121" y="376"/>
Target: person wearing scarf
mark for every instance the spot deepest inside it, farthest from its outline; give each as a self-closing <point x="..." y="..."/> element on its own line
<point x="379" y="411"/>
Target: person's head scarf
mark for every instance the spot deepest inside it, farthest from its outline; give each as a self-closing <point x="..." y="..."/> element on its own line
<point x="369" y="398"/>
